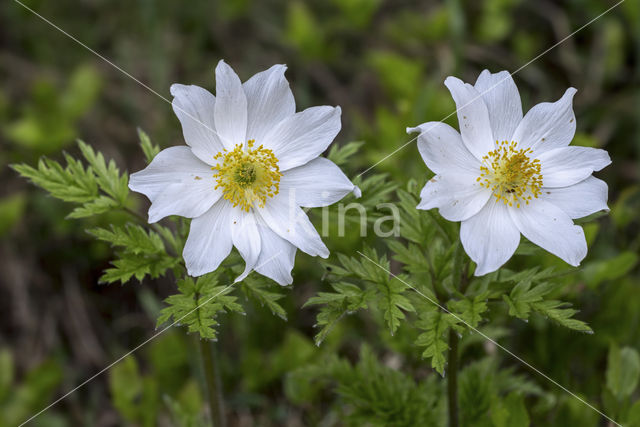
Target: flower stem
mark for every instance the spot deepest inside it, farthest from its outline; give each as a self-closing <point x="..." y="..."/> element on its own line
<point x="214" y="386"/>
<point x="452" y="378"/>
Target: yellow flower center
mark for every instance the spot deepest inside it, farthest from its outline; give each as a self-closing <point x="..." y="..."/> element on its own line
<point x="247" y="175"/>
<point x="510" y="173"/>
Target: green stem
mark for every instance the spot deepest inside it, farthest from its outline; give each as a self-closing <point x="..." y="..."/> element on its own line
<point x="452" y="378"/>
<point x="214" y="387"/>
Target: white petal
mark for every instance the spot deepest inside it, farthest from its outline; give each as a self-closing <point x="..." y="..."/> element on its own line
<point x="231" y="107"/>
<point x="317" y="183"/>
<point x="443" y="151"/>
<point x="473" y="117"/>
<point x="566" y="166"/>
<point x="550" y="227"/>
<point x="245" y="237"/>
<point x="276" y="256"/>
<point x="194" y="107"/>
<point x="547" y="125"/>
<point x="177" y="183"/>
<point x="303" y="136"/>
<point x="490" y="237"/>
<point x="581" y="199"/>
<point x="291" y="223"/>
<point x="502" y="98"/>
<point x="269" y="101"/>
<point x="457" y="200"/>
<point x="209" y="241"/>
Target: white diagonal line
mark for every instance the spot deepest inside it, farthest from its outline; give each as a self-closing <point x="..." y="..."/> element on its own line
<point x="116" y="67"/>
<point x="485" y="336"/>
<point x="88" y="380"/>
<point x="497" y="84"/>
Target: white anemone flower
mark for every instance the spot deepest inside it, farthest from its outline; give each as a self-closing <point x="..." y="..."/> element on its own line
<point x="505" y="174"/>
<point x="250" y="164"/>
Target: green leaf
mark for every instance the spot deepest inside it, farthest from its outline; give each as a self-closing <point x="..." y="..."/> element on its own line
<point x="393" y="302"/>
<point x="470" y="310"/>
<point x="526" y="297"/>
<point x="256" y="287"/>
<point x="347" y="299"/>
<point x="130" y="266"/>
<point x="71" y="184"/>
<point x="132" y="237"/>
<point x="99" y="205"/>
<point x="108" y="175"/>
<point x="435" y="324"/>
<point x="340" y="154"/>
<point x="149" y="149"/>
<point x="143" y="253"/>
<point x="198" y="304"/>
<point x="623" y="371"/>
<point x="559" y="312"/>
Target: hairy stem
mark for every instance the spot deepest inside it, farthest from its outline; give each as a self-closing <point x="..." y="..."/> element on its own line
<point x="452" y="378"/>
<point x="214" y="386"/>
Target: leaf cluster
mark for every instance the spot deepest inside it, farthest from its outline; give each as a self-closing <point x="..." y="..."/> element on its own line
<point x="382" y="290"/>
<point x="96" y="187"/>
<point x="198" y="304"/>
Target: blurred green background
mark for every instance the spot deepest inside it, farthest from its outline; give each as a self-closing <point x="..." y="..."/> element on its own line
<point x="384" y="62"/>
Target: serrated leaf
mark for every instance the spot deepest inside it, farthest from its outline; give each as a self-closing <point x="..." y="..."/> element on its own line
<point x="470" y="310"/>
<point x="347" y="299"/>
<point x="435" y="324"/>
<point x="71" y="184"/>
<point x="393" y="302"/>
<point x="257" y="288"/>
<point x="99" y="205"/>
<point x="341" y="154"/>
<point x="198" y="304"/>
<point x="559" y="312"/>
<point x="132" y="237"/>
<point x="149" y="149"/>
<point x="108" y="175"/>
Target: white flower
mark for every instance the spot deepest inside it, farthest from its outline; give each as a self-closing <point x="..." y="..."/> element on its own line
<point x="250" y="164"/>
<point x="505" y="174"/>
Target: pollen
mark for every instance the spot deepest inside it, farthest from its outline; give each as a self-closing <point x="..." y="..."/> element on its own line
<point x="247" y="175"/>
<point x="510" y="173"/>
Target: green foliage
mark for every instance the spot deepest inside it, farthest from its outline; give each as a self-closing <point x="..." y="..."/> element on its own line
<point x="435" y="324"/>
<point x="493" y="397"/>
<point x="134" y="396"/>
<point x="373" y="394"/>
<point x="149" y="149"/>
<point x="386" y="293"/>
<point x="529" y="295"/>
<point x="19" y="401"/>
<point x="141" y="252"/>
<point x="97" y="188"/>
<point x="265" y="292"/>
<point x="145" y="395"/>
<point x="340" y="154"/>
<point x="198" y="303"/>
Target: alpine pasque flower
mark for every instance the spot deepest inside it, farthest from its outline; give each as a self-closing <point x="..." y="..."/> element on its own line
<point x="505" y="174"/>
<point x="250" y="163"/>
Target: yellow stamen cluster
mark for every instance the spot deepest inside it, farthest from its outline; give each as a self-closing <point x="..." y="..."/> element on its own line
<point x="247" y="175"/>
<point x="510" y="173"/>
